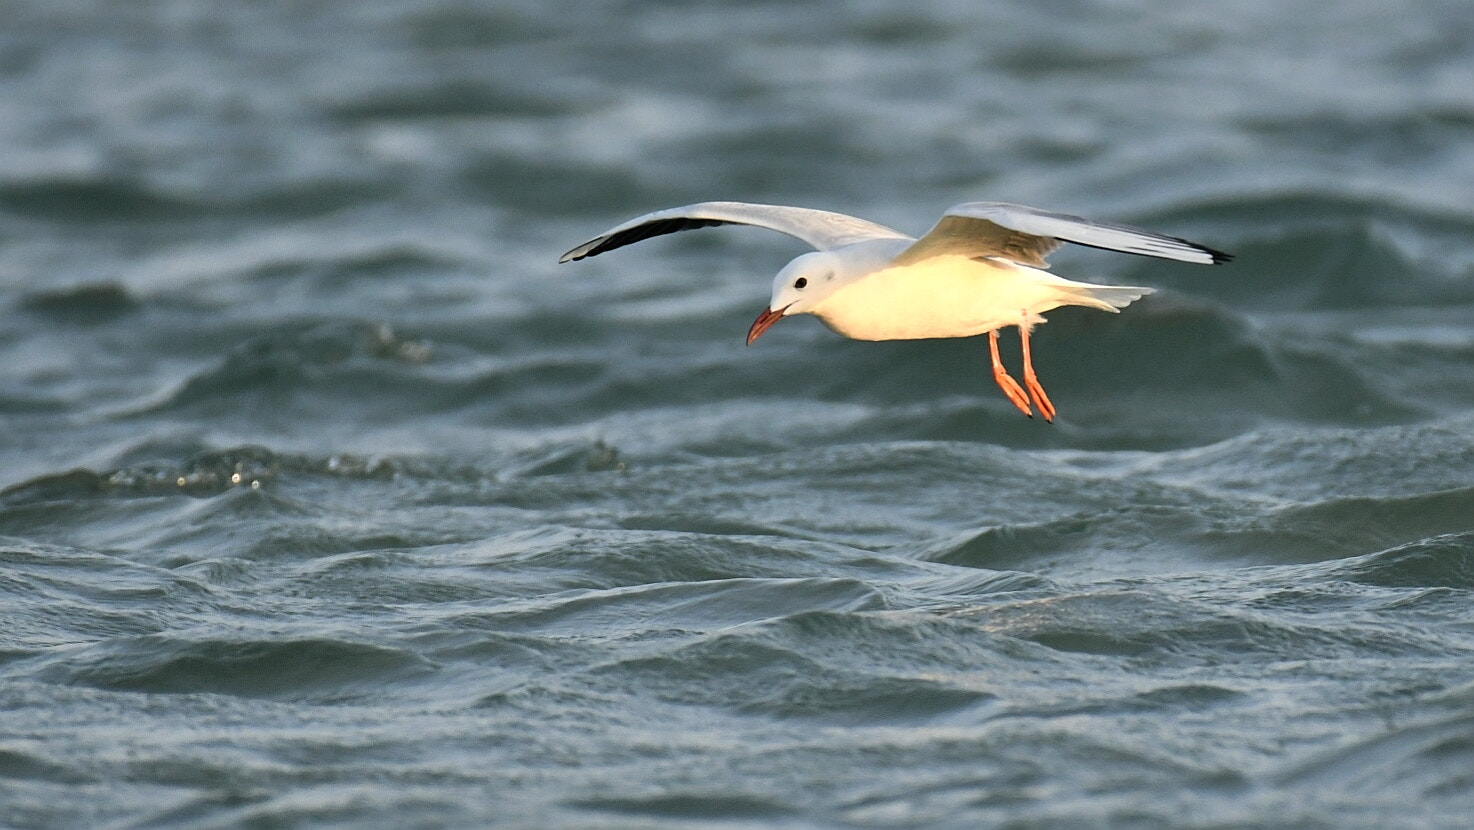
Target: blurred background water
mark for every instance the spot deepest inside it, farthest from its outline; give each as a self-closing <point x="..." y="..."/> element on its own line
<point x="332" y="501"/>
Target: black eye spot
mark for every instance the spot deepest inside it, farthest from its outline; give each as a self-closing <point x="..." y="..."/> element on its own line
<point x="800" y="282"/>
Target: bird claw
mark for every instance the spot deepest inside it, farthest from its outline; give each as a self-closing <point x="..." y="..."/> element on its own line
<point x="1015" y="393"/>
<point x="1041" y="400"/>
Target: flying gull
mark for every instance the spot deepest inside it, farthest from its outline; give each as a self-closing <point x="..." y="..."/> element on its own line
<point x="978" y="270"/>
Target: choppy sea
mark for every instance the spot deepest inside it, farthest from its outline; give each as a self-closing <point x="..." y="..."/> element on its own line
<point x="331" y="501"/>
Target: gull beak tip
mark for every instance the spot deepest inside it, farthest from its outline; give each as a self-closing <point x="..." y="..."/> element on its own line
<point x="763" y="322"/>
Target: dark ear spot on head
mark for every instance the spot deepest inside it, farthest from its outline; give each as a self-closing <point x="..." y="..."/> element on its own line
<point x="829" y="276"/>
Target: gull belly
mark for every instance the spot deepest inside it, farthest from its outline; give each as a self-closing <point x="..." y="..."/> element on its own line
<point x="956" y="296"/>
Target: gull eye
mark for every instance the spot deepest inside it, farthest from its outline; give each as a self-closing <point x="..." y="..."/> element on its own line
<point x="800" y="283"/>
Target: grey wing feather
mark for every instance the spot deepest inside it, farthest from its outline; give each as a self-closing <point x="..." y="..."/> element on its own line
<point x="974" y="238"/>
<point x="1026" y="236"/>
<point x="820" y="228"/>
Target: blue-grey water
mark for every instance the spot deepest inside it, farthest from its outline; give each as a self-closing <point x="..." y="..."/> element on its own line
<point x="330" y="500"/>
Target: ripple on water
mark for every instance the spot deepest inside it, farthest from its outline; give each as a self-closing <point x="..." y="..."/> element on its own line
<point x="301" y="669"/>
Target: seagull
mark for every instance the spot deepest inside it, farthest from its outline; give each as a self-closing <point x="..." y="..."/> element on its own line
<point x="980" y="269"/>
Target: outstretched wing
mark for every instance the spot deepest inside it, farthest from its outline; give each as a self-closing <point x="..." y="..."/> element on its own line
<point x="820" y="228"/>
<point x="1026" y="236"/>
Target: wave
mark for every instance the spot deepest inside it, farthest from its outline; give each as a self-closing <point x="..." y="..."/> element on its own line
<point x="453" y="98"/>
<point x="686" y="605"/>
<point x="86" y="304"/>
<point x="202" y="474"/>
<point x="307" y="668"/>
<point x="1442" y="561"/>
<point x="780" y="670"/>
<point x="1323" y="250"/>
<point x="1221" y="529"/>
<point x="694" y="805"/>
<point x="1428" y="756"/>
<point x="92" y="199"/>
<point x="264" y="371"/>
<point x="121" y="199"/>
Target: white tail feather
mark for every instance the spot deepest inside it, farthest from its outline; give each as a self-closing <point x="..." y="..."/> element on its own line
<point x="1110" y="298"/>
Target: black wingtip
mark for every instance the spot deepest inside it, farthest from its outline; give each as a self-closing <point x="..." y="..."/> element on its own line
<point x="1215" y="256"/>
<point x="629" y="236"/>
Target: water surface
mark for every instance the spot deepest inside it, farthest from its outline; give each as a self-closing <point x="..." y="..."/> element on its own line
<point x="330" y="500"/>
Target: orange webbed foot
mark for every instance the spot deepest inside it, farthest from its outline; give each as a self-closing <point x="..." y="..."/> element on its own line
<point x="1005" y="381"/>
<point x="1041" y="400"/>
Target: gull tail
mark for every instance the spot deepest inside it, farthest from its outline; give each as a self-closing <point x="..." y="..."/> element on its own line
<point x="1110" y="298"/>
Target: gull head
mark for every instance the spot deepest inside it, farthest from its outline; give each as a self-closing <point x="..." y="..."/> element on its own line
<point x="802" y="284"/>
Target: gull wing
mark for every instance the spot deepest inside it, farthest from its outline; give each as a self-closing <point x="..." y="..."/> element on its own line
<point x="1026" y="236"/>
<point x="820" y="228"/>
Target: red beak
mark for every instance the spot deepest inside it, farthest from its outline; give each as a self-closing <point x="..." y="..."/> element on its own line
<point x="763" y="322"/>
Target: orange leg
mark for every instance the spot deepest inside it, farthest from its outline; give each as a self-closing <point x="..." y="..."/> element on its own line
<point x="1009" y="386"/>
<point x="1041" y="400"/>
